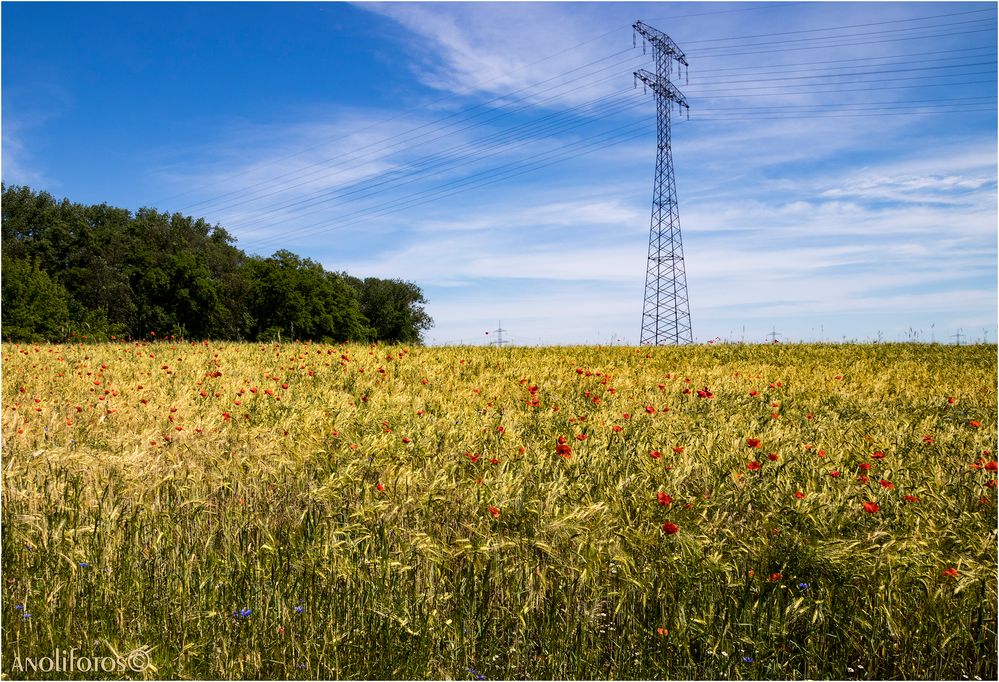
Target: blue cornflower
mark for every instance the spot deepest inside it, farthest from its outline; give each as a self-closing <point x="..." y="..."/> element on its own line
<point x="803" y="586"/>
<point x="243" y="613"/>
<point x="299" y="609"/>
<point x="84" y="564"/>
<point x="19" y="607"/>
<point x="747" y="659"/>
<point x="25" y="616"/>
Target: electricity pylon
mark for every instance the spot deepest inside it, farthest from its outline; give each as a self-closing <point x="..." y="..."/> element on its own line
<point x="666" y="311"/>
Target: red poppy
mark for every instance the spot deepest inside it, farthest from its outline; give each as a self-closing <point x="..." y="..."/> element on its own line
<point x="678" y="449"/>
<point x="650" y="409"/>
<point x="655" y="454"/>
<point x="863" y="479"/>
<point x="927" y="439"/>
<point x="877" y="455"/>
<point x="616" y="428"/>
<point x="625" y="415"/>
<point x="950" y="572"/>
<point x="753" y="466"/>
<point x="991" y="466"/>
<point x="670" y="528"/>
<point x="951" y="400"/>
<point x="864" y="466"/>
<point x="974" y="423"/>
<point x="871" y="507"/>
<point x="834" y="474"/>
<point x="911" y="498"/>
<point x="563" y="450"/>
<point x="887" y="485"/>
<point x="800" y="495"/>
<point x="379" y="487"/>
<point x="775" y="577"/>
<point x="773" y="456"/>
<point x="406" y="440"/>
<point x="753" y="394"/>
<point x="753" y="442"/>
<point x="495" y="512"/>
<point x="664" y="499"/>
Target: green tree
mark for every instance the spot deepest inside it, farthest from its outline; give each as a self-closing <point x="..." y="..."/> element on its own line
<point x="393" y="308"/>
<point x="35" y="307"/>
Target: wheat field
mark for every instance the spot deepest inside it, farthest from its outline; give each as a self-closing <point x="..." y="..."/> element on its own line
<point x="347" y="511"/>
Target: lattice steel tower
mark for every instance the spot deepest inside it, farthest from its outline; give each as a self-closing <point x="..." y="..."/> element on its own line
<point x="666" y="311"/>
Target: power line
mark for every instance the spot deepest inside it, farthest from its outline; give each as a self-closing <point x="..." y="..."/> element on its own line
<point x="498" y="98"/>
<point x="407" y="134"/>
<point x="817" y="39"/>
<point x="528" y="126"/>
<point x="783" y="67"/>
<point x="825" y="47"/>
<point x="517" y="168"/>
<point x="475" y="154"/>
<point x="355" y="156"/>
<point x="839" y="28"/>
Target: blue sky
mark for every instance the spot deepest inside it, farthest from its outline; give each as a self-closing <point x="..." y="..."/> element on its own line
<point x="837" y="178"/>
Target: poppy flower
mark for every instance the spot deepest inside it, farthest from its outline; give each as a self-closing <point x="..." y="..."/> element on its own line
<point x="563" y="450"/>
<point x="800" y="495"/>
<point x="616" y="428"/>
<point x="379" y="487"/>
<point x="887" y="485"/>
<point x="775" y="577"/>
<point x="877" y="455"/>
<point x="655" y="454"/>
<point x="753" y="442"/>
<point x="927" y="439"/>
<point x="864" y="466"/>
<point x="871" y="507"/>
<point x="670" y="528"/>
<point x="974" y="423"/>
<point x="753" y="394"/>
<point x="664" y="499"/>
<point x="773" y="456"/>
<point x="495" y="512"/>
<point x="991" y="466"/>
<point x="834" y="474"/>
<point x="649" y="409"/>
<point x="911" y="498"/>
<point x="753" y="466"/>
<point x="662" y="632"/>
<point x="950" y="572"/>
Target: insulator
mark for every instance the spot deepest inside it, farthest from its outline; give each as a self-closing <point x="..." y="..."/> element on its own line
<point x="634" y="42"/>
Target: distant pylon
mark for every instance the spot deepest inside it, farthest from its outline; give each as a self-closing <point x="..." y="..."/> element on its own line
<point x="666" y="310"/>
<point x="499" y="336"/>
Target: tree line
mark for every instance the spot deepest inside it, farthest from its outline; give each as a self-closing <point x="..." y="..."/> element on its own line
<point x="72" y="270"/>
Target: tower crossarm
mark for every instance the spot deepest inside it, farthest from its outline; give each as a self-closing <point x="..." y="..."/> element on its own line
<point x="662" y="86"/>
<point x="660" y="41"/>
